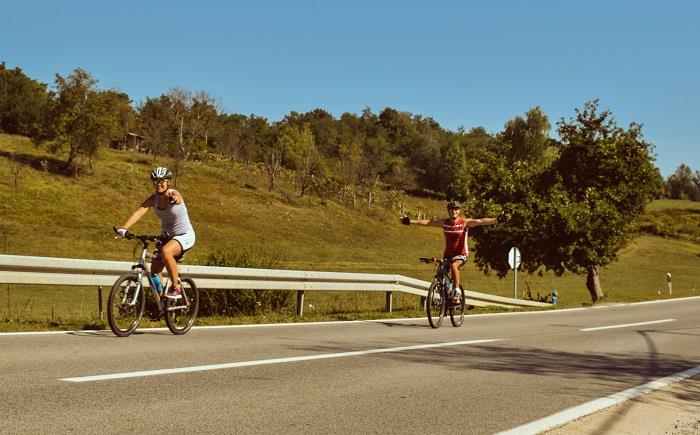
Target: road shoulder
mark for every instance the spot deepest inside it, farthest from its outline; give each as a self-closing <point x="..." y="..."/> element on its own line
<point x="674" y="409"/>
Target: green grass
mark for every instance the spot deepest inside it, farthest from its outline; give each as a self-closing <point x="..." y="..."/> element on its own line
<point x="49" y="214"/>
<point x="672" y="204"/>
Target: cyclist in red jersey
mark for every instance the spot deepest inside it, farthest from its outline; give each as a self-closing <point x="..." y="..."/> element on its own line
<point x="456" y="230"/>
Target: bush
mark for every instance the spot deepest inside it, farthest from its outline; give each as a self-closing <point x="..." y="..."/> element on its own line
<point x="246" y="302"/>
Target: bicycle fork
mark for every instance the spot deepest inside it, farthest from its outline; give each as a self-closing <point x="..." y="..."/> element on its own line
<point x="137" y="290"/>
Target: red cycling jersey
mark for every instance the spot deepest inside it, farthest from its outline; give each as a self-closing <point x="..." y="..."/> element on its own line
<point x="455" y="237"/>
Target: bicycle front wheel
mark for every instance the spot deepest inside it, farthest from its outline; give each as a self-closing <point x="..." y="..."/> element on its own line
<point x="180" y="314"/>
<point x="457" y="310"/>
<point x="435" y="304"/>
<point x="125" y="305"/>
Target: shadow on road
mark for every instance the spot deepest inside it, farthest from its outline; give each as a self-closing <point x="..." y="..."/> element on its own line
<point x="614" y="371"/>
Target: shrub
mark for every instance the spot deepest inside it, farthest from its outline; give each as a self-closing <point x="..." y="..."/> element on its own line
<point x="246" y="302"/>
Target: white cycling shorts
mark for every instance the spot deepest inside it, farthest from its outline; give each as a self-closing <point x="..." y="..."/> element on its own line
<point x="462" y="258"/>
<point x="185" y="240"/>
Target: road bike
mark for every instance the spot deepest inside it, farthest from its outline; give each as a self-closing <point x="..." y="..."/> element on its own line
<point x="440" y="297"/>
<point x="127" y="299"/>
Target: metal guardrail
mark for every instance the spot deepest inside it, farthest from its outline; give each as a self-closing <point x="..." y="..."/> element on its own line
<point x="19" y="269"/>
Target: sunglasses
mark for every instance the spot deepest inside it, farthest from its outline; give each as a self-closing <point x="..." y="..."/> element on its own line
<point x="161" y="181"/>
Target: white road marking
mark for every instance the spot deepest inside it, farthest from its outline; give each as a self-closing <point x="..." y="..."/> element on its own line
<point x="160" y="372"/>
<point x="627" y="325"/>
<point x="577" y="412"/>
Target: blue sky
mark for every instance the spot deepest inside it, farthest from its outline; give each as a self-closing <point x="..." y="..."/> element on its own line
<point x="463" y="63"/>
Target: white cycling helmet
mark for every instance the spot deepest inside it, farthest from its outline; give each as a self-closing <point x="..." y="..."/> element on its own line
<point x="161" y="173"/>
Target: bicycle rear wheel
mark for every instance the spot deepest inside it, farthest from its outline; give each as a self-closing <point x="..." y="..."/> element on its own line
<point x="124" y="305"/>
<point x="435" y="304"/>
<point x="180" y="314"/>
<point x="457" y="310"/>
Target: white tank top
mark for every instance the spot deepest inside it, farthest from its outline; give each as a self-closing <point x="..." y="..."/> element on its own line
<point x="174" y="220"/>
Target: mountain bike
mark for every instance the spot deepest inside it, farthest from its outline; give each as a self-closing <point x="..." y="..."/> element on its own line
<point x="441" y="293"/>
<point x="127" y="299"/>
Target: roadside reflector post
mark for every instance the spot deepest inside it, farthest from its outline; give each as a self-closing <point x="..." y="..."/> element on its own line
<point x="388" y="302"/>
<point x="300" y="303"/>
<point x="668" y="280"/>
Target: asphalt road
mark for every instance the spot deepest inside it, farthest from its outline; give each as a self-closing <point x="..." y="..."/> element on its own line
<point x="495" y="373"/>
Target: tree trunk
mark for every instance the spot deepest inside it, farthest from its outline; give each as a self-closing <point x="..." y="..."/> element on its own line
<point x="72" y="155"/>
<point x="593" y="284"/>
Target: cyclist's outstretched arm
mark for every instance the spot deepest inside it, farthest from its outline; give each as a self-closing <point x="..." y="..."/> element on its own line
<point x="471" y="222"/>
<point x="429" y="222"/>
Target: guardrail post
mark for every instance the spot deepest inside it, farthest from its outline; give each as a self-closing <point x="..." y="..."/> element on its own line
<point x="388" y="302"/>
<point x="300" y="303"/>
<point x="99" y="301"/>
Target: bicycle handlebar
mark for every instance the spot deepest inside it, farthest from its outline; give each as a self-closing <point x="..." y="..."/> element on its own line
<point x="429" y="260"/>
<point x="143" y="238"/>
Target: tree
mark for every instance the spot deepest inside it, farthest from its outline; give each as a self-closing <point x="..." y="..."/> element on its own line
<point x="302" y="154"/>
<point x="527" y="139"/>
<point x="683" y="184"/>
<point x="157" y="123"/>
<point x="454" y="171"/>
<point x="576" y="214"/>
<point x="86" y="118"/>
<point x="228" y="135"/>
<point x="258" y="140"/>
<point x="203" y="114"/>
<point x="24" y="103"/>
<point x="322" y="125"/>
<point x="181" y="105"/>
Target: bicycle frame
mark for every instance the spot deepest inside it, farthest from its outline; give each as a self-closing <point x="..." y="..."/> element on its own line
<point x="443" y="274"/>
<point x="140" y="268"/>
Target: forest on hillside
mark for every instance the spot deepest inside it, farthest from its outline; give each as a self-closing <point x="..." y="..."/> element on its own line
<point x="75" y="118"/>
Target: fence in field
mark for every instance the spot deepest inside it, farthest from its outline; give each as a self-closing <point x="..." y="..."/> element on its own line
<point x="19" y="269"/>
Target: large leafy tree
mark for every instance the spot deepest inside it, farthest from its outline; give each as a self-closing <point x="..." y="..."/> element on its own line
<point x="608" y="173"/>
<point x="576" y="214"/>
<point x="86" y="118"/>
<point x="24" y="103"/>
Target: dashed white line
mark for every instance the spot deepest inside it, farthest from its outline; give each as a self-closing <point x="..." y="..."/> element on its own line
<point x="627" y="325"/>
<point x="239" y="364"/>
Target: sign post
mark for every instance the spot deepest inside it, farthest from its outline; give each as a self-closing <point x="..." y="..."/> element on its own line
<point x="514" y="262"/>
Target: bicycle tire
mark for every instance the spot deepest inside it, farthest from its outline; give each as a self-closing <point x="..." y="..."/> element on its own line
<point x="457" y="311"/>
<point x="123" y="314"/>
<point x="180" y="314"/>
<point x="435" y="304"/>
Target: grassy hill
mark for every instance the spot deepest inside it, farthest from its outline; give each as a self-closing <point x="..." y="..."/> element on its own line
<point x="44" y="211"/>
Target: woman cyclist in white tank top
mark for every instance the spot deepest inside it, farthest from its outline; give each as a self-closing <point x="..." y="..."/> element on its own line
<point x="177" y="231"/>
